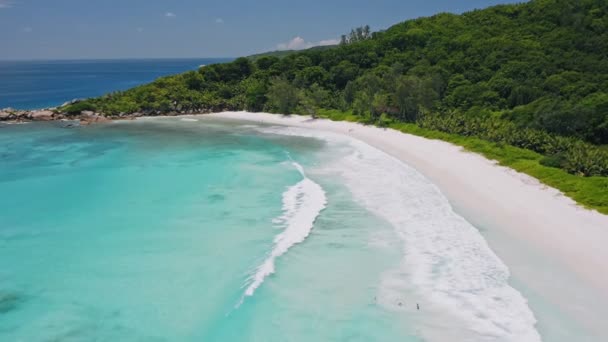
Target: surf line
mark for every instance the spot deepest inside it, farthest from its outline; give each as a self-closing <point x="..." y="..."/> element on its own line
<point x="302" y="204"/>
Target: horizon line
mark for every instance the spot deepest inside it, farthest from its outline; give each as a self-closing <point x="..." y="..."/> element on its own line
<point x="107" y="59"/>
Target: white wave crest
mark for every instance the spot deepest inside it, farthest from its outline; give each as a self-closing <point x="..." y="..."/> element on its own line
<point x="302" y="204"/>
<point x="446" y="260"/>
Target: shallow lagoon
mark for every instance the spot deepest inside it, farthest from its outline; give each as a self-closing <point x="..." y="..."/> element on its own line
<point x="151" y="230"/>
<point x="209" y="229"/>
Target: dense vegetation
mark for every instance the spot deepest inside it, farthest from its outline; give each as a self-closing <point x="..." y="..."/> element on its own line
<point x="285" y="53"/>
<point x="531" y="75"/>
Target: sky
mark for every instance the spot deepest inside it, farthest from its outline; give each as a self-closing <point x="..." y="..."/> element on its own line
<point x="94" y="29"/>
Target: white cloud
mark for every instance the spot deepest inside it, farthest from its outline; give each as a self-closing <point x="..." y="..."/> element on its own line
<point x="28" y="29"/>
<point x="170" y="15"/>
<point x="299" y="43"/>
<point x="219" y="21"/>
<point x="6" y="3"/>
<point x="327" y="42"/>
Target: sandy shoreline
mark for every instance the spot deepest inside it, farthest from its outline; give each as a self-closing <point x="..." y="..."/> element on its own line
<point x="554" y="248"/>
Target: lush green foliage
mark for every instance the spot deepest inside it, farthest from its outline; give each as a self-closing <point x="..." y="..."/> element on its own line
<point x="78" y="108"/>
<point x="285" y="53"/>
<point x="532" y="76"/>
<point x="356" y="35"/>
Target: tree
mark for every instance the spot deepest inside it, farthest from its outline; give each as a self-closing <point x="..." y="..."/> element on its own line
<point x="405" y="97"/>
<point x="255" y="95"/>
<point x="356" y="35"/>
<point x="194" y="80"/>
<point x="343" y="40"/>
<point x="349" y="93"/>
<point x="342" y="73"/>
<point x="282" y="96"/>
<point x="379" y="105"/>
<point x="313" y="99"/>
<point x="364" y="89"/>
<point x="266" y="62"/>
<point x="311" y="75"/>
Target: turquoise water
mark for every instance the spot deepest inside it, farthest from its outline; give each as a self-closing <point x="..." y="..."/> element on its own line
<point x="154" y="230"/>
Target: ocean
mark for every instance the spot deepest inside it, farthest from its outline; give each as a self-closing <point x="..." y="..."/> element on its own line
<point x="44" y="84"/>
<point x="203" y="229"/>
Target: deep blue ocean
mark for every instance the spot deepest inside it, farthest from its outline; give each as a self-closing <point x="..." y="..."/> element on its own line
<point x="42" y="84"/>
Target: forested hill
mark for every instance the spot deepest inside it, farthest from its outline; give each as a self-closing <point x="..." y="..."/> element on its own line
<point x="285" y="53"/>
<point x="532" y="75"/>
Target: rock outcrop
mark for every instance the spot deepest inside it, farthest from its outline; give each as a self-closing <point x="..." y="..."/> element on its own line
<point x="88" y="117"/>
<point x="49" y="114"/>
<point x="42" y="115"/>
<point x="9" y="114"/>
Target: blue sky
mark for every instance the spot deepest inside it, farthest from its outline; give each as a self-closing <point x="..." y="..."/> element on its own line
<point x="71" y="29"/>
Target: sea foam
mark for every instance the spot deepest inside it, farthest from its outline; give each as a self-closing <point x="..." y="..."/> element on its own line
<point x="446" y="261"/>
<point x="302" y="203"/>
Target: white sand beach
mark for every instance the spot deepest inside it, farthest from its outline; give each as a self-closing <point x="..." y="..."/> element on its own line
<point x="556" y="251"/>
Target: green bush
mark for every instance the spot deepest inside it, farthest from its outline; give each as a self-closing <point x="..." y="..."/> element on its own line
<point x="556" y="161"/>
<point x="79" y="107"/>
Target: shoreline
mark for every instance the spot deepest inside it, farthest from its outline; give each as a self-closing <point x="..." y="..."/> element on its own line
<point x="552" y="246"/>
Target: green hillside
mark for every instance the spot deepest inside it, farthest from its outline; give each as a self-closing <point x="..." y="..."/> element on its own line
<point x="285" y="53"/>
<point x="530" y="78"/>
